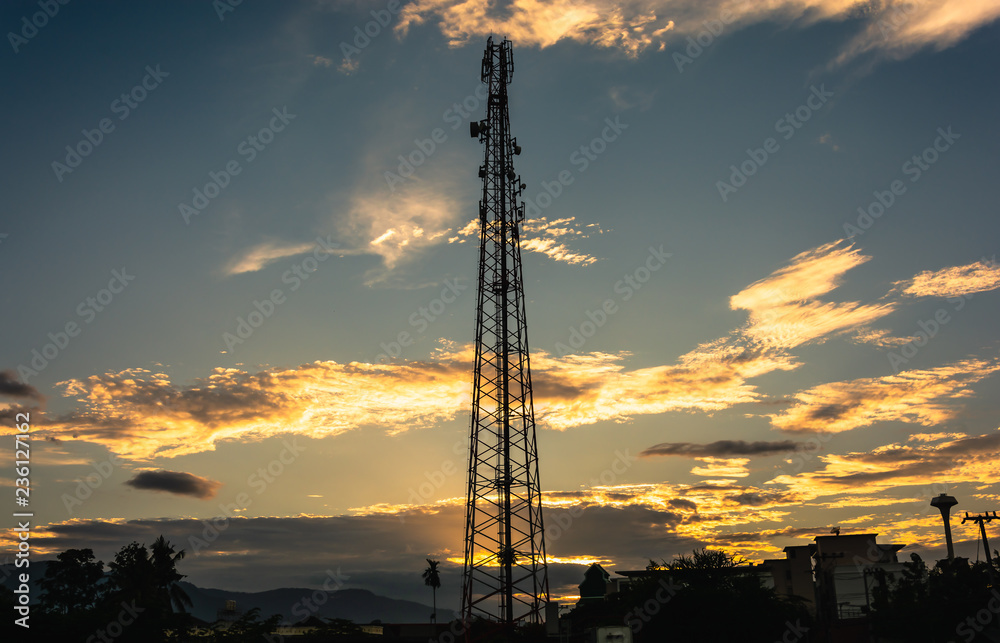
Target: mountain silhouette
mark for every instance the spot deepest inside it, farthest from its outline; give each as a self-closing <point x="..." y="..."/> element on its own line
<point x="359" y="605"/>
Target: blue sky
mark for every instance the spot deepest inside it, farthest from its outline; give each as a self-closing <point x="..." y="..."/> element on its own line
<point x="753" y="371"/>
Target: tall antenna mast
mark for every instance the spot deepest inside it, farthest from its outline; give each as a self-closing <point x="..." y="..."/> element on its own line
<point x="505" y="578"/>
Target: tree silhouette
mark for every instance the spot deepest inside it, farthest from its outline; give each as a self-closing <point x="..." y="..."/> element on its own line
<point x="139" y="599"/>
<point x="433" y="579"/>
<point x="72" y="583"/>
<point x="165" y="576"/>
<point x="934" y="604"/>
<point x="132" y="573"/>
<point x="148" y="580"/>
<point x="73" y="593"/>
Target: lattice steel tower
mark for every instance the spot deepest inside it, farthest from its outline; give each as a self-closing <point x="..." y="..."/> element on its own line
<point x="505" y="578"/>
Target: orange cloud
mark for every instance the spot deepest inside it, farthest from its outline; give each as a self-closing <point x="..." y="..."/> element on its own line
<point x="956" y="281"/>
<point x="396" y="225"/>
<point x="784" y="310"/>
<point x="894" y="28"/>
<point x="630" y="28"/>
<point x="925" y="397"/>
<point x="256" y="257"/>
<point x="730" y="467"/>
<point x="141" y="414"/>
<point x="545" y="237"/>
<point x="963" y="460"/>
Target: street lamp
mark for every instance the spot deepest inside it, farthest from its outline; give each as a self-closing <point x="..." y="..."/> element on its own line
<point x="945" y="502"/>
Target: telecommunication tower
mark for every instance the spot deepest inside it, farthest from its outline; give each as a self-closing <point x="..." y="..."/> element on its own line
<point x="505" y="578"/>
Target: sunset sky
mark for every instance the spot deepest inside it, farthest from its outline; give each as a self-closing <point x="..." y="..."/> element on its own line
<point x="238" y="251"/>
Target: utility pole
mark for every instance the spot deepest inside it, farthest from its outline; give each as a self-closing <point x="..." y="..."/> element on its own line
<point x="505" y="578"/>
<point x="982" y="519"/>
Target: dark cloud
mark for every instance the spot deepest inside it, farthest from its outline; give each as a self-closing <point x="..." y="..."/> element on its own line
<point x="12" y="387"/>
<point x="829" y="412"/>
<point x="759" y="498"/>
<point x="683" y="503"/>
<point x="721" y="448"/>
<point x="771" y="534"/>
<point x="176" y="482"/>
<point x="550" y="387"/>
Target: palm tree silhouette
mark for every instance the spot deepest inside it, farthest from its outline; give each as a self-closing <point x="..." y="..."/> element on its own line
<point x="164" y="561"/>
<point x="433" y="578"/>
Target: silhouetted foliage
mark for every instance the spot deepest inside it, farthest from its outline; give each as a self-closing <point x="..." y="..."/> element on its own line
<point x="72" y="583"/>
<point x="146" y="582"/>
<point x="248" y="628"/>
<point x="432" y="578"/>
<point x="135" y="601"/>
<point x="335" y="629"/>
<point x="73" y="595"/>
<point x="709" y="596"/>
<point x="10" y="631"/>
<point x="938" y="604"/>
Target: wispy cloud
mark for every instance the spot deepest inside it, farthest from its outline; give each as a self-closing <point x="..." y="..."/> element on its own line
<point x="956" y="281"/>
<point x="966" y="459"/>
<point x="631" y="27"/>
<point x="725" y="467"/>
<point x="321" y="61"/>
<point x="785" y="310"/>
<point x="256" y="257"/>
<point x="900" y="28"/>
<point x="891" y="28"/>
<point x="398" y="225"/>
<point x="926" y="397"/>
<point x="550" y="238"/>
